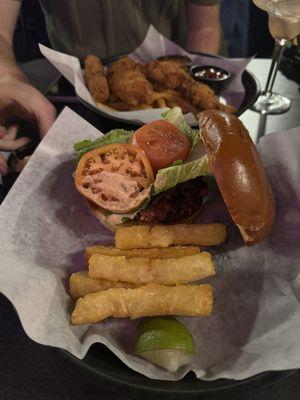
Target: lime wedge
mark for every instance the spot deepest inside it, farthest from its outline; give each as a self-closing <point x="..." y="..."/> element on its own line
<point x="165" y="341"/>
<point x="168" y="358"/>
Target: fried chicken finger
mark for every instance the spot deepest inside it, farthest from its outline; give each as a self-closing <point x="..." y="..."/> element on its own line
<point x="128" y="83"/>
<point x="95" y="79"/>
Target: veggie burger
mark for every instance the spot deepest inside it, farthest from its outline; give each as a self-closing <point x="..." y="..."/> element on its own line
<point x="154" y="175"/>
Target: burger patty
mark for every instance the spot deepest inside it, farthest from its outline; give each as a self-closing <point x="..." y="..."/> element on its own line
<point x="176" y="204"/>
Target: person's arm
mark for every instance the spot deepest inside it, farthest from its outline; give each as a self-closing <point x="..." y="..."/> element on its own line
<point x="17" y="97"/>
<point x="9" y="11"/>
<point x="203" y="24"/>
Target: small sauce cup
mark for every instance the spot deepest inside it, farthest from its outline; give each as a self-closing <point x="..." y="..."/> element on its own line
<point x="215" y="77"/>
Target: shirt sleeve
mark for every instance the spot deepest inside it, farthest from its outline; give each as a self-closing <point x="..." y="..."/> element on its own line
<point x="205" y="2"/>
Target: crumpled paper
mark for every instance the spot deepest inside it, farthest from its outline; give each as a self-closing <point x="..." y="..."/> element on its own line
<point x="154" y="45"/>
<point x="45" y="227"/>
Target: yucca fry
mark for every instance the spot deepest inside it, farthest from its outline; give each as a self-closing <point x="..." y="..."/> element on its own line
<point x="170" y="271"/>
<point x="82" y="284"/>
<point x="157" y="96"/>
<point x="140" y="107"/>
<point x="147" y="236"/>
<point x="149" y="300"/>
<point x="161" y="103"/>
<point x="171" y="103"/>
<point x="168" y="252"/>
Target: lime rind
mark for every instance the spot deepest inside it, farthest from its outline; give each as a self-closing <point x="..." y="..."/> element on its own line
<point x="163" y="333"/>
<point x="170" y="359"/>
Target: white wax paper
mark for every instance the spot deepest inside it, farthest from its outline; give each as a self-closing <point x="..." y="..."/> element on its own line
<point x="154" y="45"/>
<point x="45" y="227"/>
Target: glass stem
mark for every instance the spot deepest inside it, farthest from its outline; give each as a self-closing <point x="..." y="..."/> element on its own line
<point x="277" y="55"/>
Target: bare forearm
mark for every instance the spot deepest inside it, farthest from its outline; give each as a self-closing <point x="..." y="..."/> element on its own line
<point x="207" y="41"/>
<point x="8" y="64"/>
<point x="9" y="10"/>
<point x="18" y="99"/>
<point x="203" y="28"/>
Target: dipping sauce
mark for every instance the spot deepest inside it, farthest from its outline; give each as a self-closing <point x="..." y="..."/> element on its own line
<point x="213" y="76"/>
<point x="211" y="73"/>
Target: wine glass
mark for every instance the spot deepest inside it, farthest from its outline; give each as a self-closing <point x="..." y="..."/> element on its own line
<point x="284" y="26"/>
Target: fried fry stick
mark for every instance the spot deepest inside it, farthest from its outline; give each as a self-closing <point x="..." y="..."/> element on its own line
<point x="169" y="252"/>
<point x="161" y="103"/>
<point x="170" y="271"/>
<point x="149" y="300"/>
<point x="141" y="107"/>
<point x="81" y="284"/>
<point x="146" y="236"/>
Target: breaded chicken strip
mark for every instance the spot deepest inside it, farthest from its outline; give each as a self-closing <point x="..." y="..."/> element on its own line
<point x="203" y="97"/>
<point x="149" y="300"/>
<point x="172" y="76"/>
<point x="227" y="108"/>
<point x="93" y="66"/>
<point x="95" y="79"/>
<point x="128" y="83"/>
<point x="122" y="64"/>
<point x="200" y="95"/>
<point x="167" y="73"/>
<point x="182" y="61"/>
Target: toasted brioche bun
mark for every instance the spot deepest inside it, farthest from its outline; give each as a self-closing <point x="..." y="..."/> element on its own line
<point x="239" y="173"/>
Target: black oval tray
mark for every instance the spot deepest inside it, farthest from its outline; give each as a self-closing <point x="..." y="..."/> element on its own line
<point x="101" y="365"/>
<point x="104" y="368"/>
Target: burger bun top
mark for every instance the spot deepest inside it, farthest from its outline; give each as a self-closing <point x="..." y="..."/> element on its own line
<point x="239" y="173"/>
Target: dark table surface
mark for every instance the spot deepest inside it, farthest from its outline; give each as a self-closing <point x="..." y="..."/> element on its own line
<point x="32" y="371"/>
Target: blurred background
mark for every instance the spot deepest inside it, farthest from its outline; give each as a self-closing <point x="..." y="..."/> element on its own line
<point x="245" y="29"/>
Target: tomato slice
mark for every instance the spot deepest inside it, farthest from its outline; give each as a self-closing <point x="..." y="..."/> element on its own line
<point x="163" y="143"/>
<point x="116" y="177"/>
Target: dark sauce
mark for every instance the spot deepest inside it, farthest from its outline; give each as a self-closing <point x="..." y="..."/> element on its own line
<point x="215" y="77"/>
<point x="209" y="73"/>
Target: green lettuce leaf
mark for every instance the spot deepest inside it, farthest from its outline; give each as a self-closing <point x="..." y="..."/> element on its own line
<point x="113" y="136"/>
<point x="176" y="117"/>
<point x="82" y="144"/>
<point x="177" y="162"/>
<point x="167" y="178"/>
